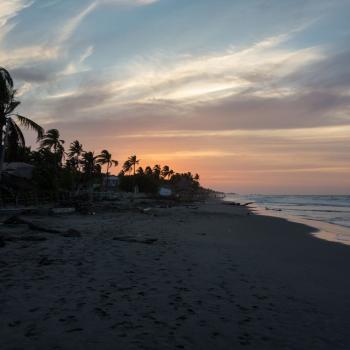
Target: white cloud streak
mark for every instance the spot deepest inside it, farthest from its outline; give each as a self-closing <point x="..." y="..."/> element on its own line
<point x="301" y="134"/>
<point x="8" y="10"/>
<point x="51" y="51"/>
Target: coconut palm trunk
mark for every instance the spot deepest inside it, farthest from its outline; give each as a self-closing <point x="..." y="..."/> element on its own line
<point x="107" y="175"/>
<point x="3" y="147"/>
<point x="2" y="144"/>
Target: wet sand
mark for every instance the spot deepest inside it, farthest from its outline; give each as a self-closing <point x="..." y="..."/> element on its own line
<point x="210" y="276"/>
<point x="324" y="230"/>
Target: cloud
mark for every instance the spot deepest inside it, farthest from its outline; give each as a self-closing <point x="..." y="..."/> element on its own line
<point x="227" y="89"/>
<point x="38" y="63"/>
<point x="78" y="65"/>
<point x="37" y="75"/>
<point x="8" y="10"/>
<point x="191" y="79"/>
<point x="318" y="133"/>
<point x="259" y="87"/>
<point x="331" y="74"/>
<point x="128" y="2"/>
<point x="73" y="23"/>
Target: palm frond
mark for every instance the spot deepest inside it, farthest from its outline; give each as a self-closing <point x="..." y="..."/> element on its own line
<point x="6" y="76"/>
<point x="12" y="106"/>
<point x="16" y="132"/>
<point x="6" y="87"/>
<point x="30" y="124"/>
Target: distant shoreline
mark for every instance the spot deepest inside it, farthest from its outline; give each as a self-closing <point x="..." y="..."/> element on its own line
<point x="324" y="230"/>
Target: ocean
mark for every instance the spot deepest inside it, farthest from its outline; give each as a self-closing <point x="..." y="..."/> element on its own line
<point x="331" y="209"/>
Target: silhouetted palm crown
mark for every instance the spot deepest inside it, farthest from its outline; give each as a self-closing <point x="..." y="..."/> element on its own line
<point x="8" y="104"/>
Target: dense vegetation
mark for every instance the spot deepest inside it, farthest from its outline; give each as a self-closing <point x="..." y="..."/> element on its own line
<point x="59" y="168"/>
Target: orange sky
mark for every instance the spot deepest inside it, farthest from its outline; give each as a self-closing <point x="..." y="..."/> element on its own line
<point x="260" y="161"/>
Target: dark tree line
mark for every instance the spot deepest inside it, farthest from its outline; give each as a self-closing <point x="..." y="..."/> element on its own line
<point x="61" y="168"/>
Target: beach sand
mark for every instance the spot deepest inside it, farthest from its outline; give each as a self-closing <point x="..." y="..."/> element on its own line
<point x="206" y="276"/>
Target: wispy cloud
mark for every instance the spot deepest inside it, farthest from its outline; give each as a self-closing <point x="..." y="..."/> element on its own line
<point x="127" y="2"/>
<point x="189" y="155"/>
<point x="196" y="81"/>
<point x="8" y="10"/>
<point x="57" y="47"/>
<point x="73" y="23"/>
<point x="318" y="133"/>
<point x="78" y="65"/>
<point x="191" y="79"/>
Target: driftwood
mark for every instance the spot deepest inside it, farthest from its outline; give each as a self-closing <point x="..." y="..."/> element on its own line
<point x="16" y="220"/>
<point x="237" y="204"/>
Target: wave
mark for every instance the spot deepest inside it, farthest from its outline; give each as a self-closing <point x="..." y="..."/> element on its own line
<point x="328" y="208"/>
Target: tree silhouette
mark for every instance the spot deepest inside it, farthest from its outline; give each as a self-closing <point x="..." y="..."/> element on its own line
<point x="75" y="152"/>
<point x="89" y="164"/>
<point x="148" y="171"/>
<point x="140" y="171"/>
<point x="106" y="158"/>
<point x="127" y="166"/>
<point x="52" y="142"/>
<point x="133" y="161"/>
<point x="10" y="132"/>
<point x="167" y="172"/>
<point x="156" y="171"/>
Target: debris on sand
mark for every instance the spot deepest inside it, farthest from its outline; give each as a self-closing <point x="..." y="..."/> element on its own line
<point x="134" y="240"/>
<point x="16" y="220"/>
<point x="62" y="210"/>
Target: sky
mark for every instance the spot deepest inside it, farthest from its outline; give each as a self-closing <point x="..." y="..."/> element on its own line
<point x="252" y="95"/>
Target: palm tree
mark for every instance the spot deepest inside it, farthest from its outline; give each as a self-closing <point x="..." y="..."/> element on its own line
<point x="148" y="171"/>
<point x="74" y="153"/>
<point x="140" y="171"/>
<point x="51" y="141"/>
<point x="89" y="163"/>
<point x="127" y="166"/>
<point x="9" y="121"/>
<point x="156" y="171"/>
<point x="133" y="162"/>
<point x="167" y="172"/>
<point x="106" y="158"/>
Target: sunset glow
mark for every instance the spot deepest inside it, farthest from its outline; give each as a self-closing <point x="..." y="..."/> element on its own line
<point x="253" y="106"/>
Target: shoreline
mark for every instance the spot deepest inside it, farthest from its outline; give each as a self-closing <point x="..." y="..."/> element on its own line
<point x="198" y="276"/>
<point x="324" y="230"/>
<point x="331" y="232"/>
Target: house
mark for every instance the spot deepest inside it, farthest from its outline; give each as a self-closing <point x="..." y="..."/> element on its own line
<point x="111" y="182"/>
<point x="165" y="191"/>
